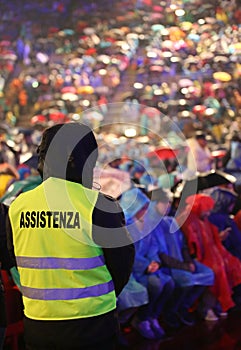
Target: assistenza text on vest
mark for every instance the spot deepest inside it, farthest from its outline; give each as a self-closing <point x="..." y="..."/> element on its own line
<point x="49" y="219"/>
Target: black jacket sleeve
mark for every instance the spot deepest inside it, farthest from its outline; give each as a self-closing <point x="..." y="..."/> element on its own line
<point x="110" y="233"/>
<point x="173" y="263"/>
<point x="5" y="257"/>
<point x="185" y="252"/>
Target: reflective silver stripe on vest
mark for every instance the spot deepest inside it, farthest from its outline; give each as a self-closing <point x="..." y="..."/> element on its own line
<point x="67" y="293"/>
<point x="60" y="263"/>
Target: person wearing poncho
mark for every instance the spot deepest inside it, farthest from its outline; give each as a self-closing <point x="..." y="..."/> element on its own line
<point x="205" y="245"/>
<point x="145" y="269"/>
<point x="190" y="276"/>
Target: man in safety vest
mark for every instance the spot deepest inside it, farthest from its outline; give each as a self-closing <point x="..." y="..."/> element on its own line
<point x="72" y="250"/>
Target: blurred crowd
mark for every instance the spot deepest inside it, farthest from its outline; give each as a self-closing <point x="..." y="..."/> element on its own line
<point x="170" y="68"/>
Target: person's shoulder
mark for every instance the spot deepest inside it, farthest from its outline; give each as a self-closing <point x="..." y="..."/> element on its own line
<point x="23" y="195"/>
<point x="168" y="220"/>
<point x="3" y="209"/>
<point x="103" y="196"/>
<point x="191" y="141"/>
<point x="107" y="200"/>
<point x="107" y="206"/>
<point x="106" y="203"/>
<point x="107" y="209"/>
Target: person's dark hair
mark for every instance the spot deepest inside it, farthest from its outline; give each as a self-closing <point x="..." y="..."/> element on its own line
<point x="236" y="137"/>
<point x="68" y="151"/>
<point x="200" y="135"/>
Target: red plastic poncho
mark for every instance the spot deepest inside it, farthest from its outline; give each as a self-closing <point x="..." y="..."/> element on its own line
<point x="204" y="242"/>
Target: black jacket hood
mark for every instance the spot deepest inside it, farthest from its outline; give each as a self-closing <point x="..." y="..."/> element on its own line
<point x="68" y="151"/>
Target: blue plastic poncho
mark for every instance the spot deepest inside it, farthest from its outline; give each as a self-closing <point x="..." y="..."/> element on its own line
<point x="172" y="244"/>
<point x="133" y="295"/>
<point x="220" y="217"/>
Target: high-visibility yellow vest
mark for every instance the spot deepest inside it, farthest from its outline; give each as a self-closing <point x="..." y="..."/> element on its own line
<point x="62" y="272"/>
